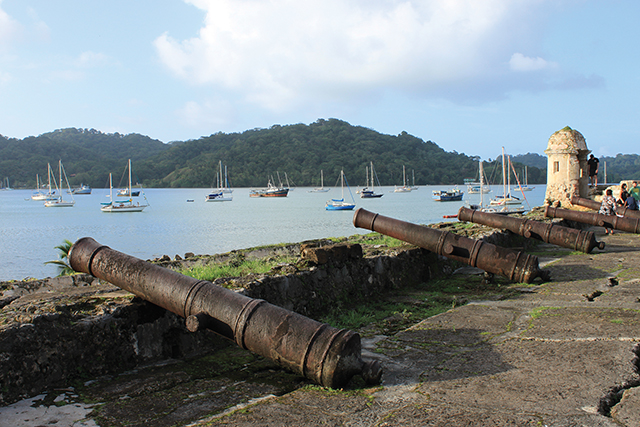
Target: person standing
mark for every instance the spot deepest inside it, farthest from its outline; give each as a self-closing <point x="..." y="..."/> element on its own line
<point x="635" y="191"/>
<point x="593" y="163"/>
<point x="608" y="207"/>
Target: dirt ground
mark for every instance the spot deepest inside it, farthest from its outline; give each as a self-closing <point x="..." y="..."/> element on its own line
<point x="549" y="357"/>
<point x="560" y="353"/>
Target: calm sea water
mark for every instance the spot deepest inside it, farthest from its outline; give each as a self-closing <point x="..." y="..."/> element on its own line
<point x="172" y="225"/>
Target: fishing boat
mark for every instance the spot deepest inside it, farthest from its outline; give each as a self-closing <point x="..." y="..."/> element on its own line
<point x="83" y="189"/>
<point x="222" y="193"/>
<point x="320" y="189"/>
<point x="405" y="188"/>
<point x="59" y="202"/>
<point x="126" y="205"/>
<point x="369" y="193"/>
<point x="40" y="195"/>
<point x="453" y="195"/>
<point x="271" y="191"/>
<point x="340" y="204"/>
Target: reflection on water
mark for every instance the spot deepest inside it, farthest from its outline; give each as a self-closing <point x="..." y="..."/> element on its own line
<point x="172" y="225"/>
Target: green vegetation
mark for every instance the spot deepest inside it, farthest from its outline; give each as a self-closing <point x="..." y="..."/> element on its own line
<point x="252" y="157"/>
<point x="401" y="309"/>
<point x="237" y="267"/>
<point x="64" y="269"/>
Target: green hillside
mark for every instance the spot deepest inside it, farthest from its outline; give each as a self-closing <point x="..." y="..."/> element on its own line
<point x="253" y="156"/>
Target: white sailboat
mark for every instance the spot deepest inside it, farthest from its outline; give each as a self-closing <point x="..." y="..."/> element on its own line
<point x="320" y="189"/>
<point x="59" y="202"/>
<point x="369" y="192"/>
<point x="340" y="204"/>
<point x="40" y="195"/>
<point x="220" y="194"/>
<point x="505" y="204"/>
<point x="123" y="205"/>
<point x="525" y="186"/>
<point x="405" y="188"/>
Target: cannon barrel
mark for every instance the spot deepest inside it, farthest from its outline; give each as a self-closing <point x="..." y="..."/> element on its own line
<point x="592" y="204"/>
<point x="630" y="225"/>
<point x="322" y="353"/>
<point x="514" y="265"/>
<point x="556" y="234"/>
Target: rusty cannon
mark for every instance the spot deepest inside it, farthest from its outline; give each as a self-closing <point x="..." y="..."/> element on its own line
<point x="592" y="204"/>
<point x="322" y="353"/>
<point x="514" y="265"/>
<point x="630" y="225"/>
<point x="584" y="241"/>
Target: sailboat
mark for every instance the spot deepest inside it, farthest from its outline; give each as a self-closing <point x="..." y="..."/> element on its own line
<point x="413" y="175"/>
<point x="405" y="188"/>
<point x="367" y="193"/>
<point x="219" y="195"/>
<point x="40" y="195"/>
<point x="506" y="203"/>
<point x="474" y="187"/>
<point x="320" y="189"/>
<point x="340" y="204"/>
<point x="122" y="205"/>
<point x="59" y="202"/>
<point x="526" y="187"/>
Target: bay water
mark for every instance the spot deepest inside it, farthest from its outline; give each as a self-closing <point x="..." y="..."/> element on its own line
<point x="179" y="221"/>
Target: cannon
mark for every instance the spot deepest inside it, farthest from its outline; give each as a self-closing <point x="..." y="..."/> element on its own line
<point x="630" y="225"/>
<point x="320" y="352"/>
<point x="592" y="204"/>
<point x="566" y="237"/>
<point x="514" y="265"/>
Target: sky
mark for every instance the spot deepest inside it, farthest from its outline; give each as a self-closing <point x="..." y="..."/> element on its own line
<point x="470" y="75"/>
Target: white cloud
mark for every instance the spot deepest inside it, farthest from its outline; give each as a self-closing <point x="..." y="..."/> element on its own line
<point x="279" y="53"/>
<point x="519" y="62"/>
<point x="9" y="29"/>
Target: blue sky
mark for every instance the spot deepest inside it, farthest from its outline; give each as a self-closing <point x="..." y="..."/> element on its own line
<point x="471" y="76"/>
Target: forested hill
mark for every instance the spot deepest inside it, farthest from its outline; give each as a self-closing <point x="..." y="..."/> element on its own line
<point x="301" y="151"/>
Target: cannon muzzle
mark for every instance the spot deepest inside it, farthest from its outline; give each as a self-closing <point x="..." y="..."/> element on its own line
<point x="592" y="204"/>
<point x="630" y="225"/>
<point x="322" y="353"/>
<point x="555" y="234"/>
<point x="516" y="266"/>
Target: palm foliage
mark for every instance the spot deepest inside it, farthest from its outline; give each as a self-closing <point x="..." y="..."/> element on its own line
<point x="64" y="269"/>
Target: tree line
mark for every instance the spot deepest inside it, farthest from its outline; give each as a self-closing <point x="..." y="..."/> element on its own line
<point x="252" y="157"/>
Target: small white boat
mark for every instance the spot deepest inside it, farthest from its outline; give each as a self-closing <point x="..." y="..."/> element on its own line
<point x="127" y="205"/>
<point x="40" y="195"/>
<point x="405" y="188"/>
<point x="59" y="202"/>
<point x="220" y="194"/>
<point x="320" y="189"/>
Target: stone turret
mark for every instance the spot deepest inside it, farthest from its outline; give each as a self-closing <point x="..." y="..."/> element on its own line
<point x="567" y="171"/>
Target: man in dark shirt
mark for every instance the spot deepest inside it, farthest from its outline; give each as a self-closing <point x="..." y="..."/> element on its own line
<point x="593" y="170"/>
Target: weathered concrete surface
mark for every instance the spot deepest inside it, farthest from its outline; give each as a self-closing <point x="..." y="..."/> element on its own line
<point x="548" y="357"/>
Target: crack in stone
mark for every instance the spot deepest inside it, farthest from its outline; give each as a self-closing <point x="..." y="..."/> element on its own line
<point x="614" y="395"/>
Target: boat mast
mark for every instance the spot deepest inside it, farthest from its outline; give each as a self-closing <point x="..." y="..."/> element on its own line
<point x="481" y="184"/>
<point x="504" y="178"/>
<point x="130" y="193"/>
